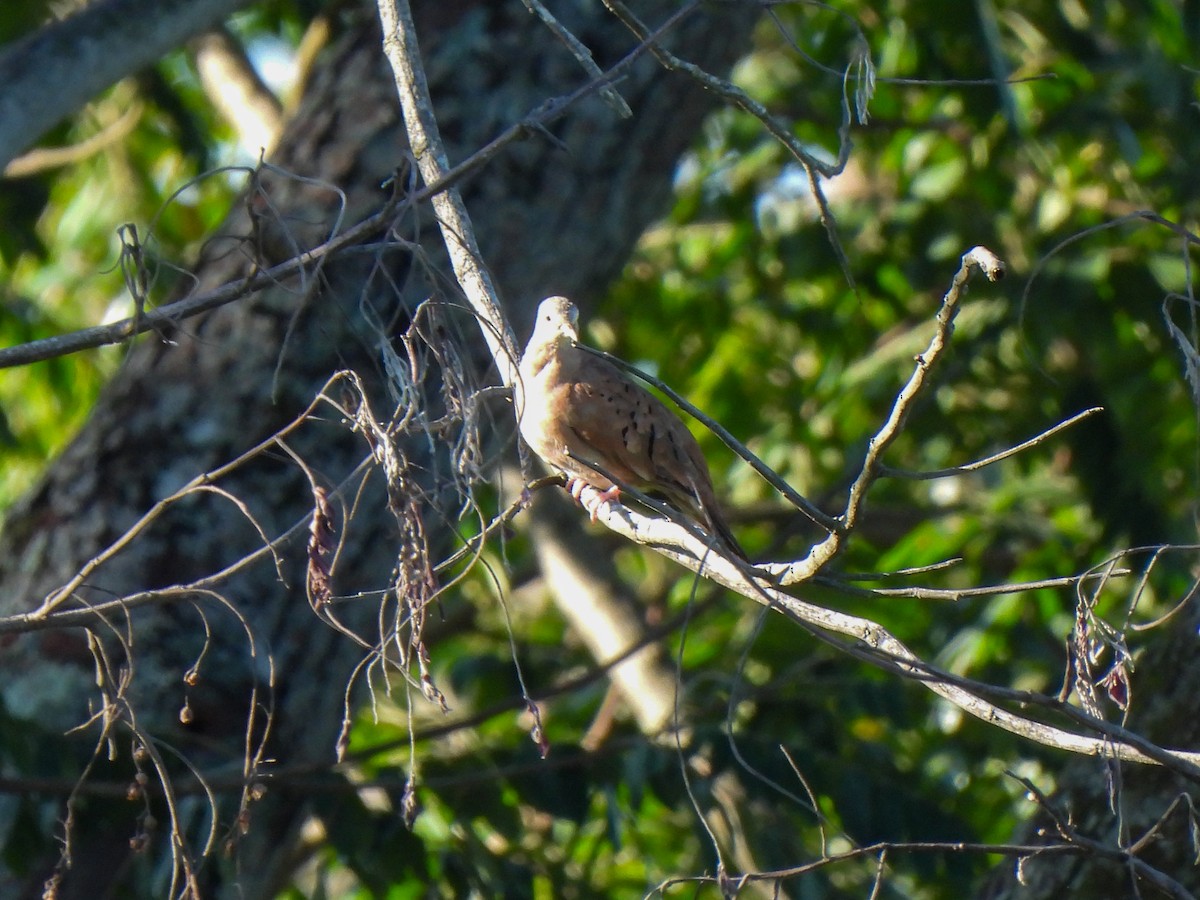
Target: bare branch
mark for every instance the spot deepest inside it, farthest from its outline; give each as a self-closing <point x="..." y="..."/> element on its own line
<point x="878" y="646"/>
<point x="172" y="313"/>
<point x="993" y="269"/>
<point x="400" y="47"/>
<point x="978" y="464"/>
<point x="370" y="227"/>
<point x="730" y="92"/>
<point x="822" y="553"/>
<point x="42" y="158"/>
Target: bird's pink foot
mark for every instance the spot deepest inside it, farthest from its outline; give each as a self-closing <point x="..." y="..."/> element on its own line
<point x="575" y="488"/>
<point x="576" y="485"/>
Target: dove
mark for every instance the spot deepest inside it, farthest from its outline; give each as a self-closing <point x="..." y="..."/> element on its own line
<point x="575" y="408"/>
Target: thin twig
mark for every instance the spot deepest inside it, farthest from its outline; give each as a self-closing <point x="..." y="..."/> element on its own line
<point x="822" y="553"/>
<point x="1092" y="847"/>
<point x="840" y="582"/>
<point x="172" y="313"/>
<point x="203" y="481"/>
<point x="582" y="55"/>
<point x="978" y="464"/>
<point x="731" y="92"/>
<point x="883" y="439"/>
<point x="874" y="850"/>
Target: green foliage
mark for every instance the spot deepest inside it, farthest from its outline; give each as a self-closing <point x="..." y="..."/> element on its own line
<point x="59" y="267"/>
<point x="740" y="301"/>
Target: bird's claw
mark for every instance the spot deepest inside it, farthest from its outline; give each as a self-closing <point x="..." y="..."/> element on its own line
<point x="575" y="487"/>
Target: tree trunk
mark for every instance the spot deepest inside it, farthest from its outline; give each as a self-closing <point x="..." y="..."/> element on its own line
<point x="553" y="216"/>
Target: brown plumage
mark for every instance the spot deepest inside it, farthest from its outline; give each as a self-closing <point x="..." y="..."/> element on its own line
<point x="574" y="407"/>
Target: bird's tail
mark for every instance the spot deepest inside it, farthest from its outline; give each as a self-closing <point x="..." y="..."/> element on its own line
<point x="714" y="519"/>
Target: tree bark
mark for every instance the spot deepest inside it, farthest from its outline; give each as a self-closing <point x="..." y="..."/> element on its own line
<point x="54" y="71"/>
<point x="553" y="216"/>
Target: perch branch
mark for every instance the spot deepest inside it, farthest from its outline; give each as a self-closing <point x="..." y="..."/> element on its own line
<point x="875" y="644"/>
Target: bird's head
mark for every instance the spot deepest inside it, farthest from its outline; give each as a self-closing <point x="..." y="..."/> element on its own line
<point x="557" y="318"/>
